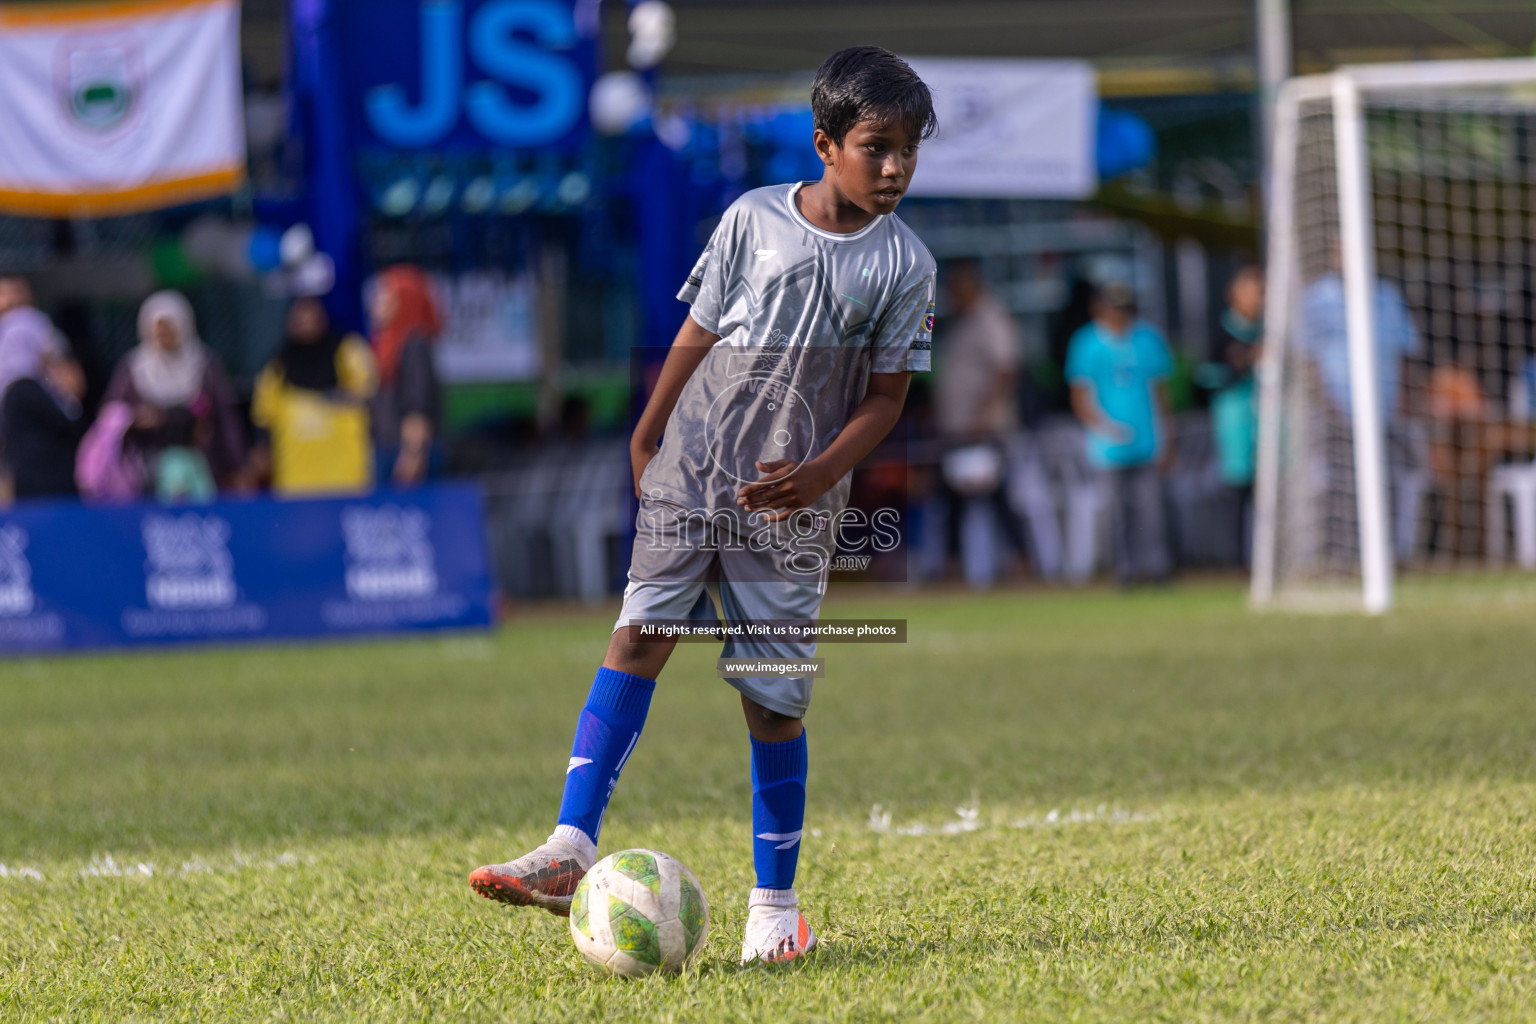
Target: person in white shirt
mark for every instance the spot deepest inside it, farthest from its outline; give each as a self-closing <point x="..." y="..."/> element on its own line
<point x="976" y="407"/>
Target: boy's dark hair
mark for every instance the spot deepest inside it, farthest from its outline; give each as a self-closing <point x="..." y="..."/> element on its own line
<point x="870" y="84"/>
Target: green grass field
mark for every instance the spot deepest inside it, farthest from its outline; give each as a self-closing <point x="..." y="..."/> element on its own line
<point x="1047" y="807"/>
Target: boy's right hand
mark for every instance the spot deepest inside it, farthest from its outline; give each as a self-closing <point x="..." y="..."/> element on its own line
<point x="640" y="455"/>
<point x="1114" y="431"/>
<point x="1122" y="433"/>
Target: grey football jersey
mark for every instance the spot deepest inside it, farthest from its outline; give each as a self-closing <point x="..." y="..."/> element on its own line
<point x="804" y="315"/>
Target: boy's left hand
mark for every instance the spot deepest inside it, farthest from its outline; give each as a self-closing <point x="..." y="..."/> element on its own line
<point x="785" y="486"/>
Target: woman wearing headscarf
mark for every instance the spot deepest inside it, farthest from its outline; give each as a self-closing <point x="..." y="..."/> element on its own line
<point x="311" y="408"/>
<point x="172" y="369"/>
<point x="407" y="411"/>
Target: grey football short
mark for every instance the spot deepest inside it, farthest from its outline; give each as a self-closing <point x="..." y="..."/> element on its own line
<point x="678" y="559"/>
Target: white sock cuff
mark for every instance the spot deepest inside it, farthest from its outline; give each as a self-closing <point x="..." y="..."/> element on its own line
<point x="773" y="898"/>
<point x="579" y="839"/>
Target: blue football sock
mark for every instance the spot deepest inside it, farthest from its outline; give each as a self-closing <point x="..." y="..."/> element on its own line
<point x="778" y="810"/>
<point x="606" y="734"/>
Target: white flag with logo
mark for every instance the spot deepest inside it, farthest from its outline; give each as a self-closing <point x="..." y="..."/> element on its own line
<point x="108" y="108"/>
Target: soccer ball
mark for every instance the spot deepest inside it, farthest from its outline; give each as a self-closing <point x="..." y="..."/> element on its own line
<point x="639" y="911"/>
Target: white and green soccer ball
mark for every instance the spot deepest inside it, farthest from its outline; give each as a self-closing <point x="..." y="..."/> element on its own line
<point x="639" y="911"/>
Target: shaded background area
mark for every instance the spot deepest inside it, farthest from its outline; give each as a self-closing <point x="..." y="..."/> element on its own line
<point x="586" y="247"/>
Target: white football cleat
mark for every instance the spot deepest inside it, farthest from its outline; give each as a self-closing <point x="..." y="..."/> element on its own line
<point x="777" y="933"/>
<point x="545" y="877"/>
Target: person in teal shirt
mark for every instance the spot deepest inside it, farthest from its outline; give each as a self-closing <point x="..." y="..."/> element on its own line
<point x="1234" y="401"/>
<point x="1117" y="367"/>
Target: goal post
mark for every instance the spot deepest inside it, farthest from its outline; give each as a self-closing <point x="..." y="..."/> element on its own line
<point x="1357" y="251"/>
<point x="1402" y="306"/>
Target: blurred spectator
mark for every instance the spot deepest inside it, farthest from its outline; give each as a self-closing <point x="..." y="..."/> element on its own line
<point x="1454" y="393"/>
<point x="42" y="424"/>
<point x="976" y="406"/>
<point x="311" y="408"/>
<point x="1117" y="367"/>
<point x="407" y="411"/>
<point x="1235" y="406"/>
<point x="181" y="474"/>
<point x="14" y="293"/>
<point x="107" y="468"/>
<point x="27" y="336"/>
<point x="1064" y="323"/>
<point x="171" y="369"/>
<point x="1460" y="446"/>
<point x="974" y="392"/>
<point x="1325" y="337"/>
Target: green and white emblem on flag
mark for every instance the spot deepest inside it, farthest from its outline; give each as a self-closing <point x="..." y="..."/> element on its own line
<point x="100" y="89"/>
<point x="120" y="106"/>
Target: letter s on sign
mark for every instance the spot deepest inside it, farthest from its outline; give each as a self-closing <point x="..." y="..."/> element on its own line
<point x="553" y="78"/>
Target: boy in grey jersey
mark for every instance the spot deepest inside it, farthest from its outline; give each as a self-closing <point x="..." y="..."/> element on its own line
<point x="803" y="315"/>
<point x="811" y="308"/>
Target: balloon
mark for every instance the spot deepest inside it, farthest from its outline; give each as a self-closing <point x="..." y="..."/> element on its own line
<point x="297" y="245"/>
<point x="653" y="30"/>
<point x="266" y="248"/>
<point x="1125" y="142"/>
<point x="315" y="276"/>
<point x="620" y="100"/>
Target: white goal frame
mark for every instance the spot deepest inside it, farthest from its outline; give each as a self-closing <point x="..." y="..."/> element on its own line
<point x="1357" y="233"/>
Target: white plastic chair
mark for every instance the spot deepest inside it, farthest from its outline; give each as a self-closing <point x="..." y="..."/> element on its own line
<point x="974" y="472"/>
<point x="1085" y="497"/>
<point x="1087" y="520"/>
<point x="1517" y="484"/>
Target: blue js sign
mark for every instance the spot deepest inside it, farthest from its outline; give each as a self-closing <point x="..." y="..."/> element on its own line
<point x="468" y="74"/>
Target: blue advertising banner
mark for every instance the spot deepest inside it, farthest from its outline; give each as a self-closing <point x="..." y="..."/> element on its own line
<point x="76" y="577"/>
<point x="468" y="75"/>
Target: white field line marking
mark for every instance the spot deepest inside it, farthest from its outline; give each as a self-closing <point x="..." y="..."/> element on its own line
<point x="21" y="872"/>
<point x="106" y="866"/>
<point x="970" y="820"/>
